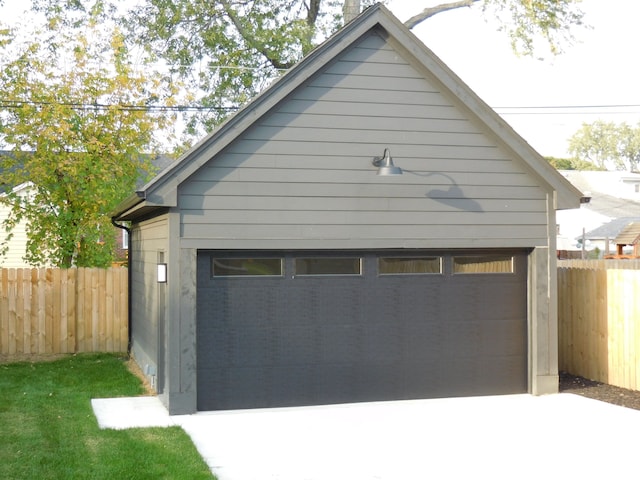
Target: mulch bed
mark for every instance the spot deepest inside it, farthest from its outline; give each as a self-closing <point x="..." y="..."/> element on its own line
<point x="599" y="391"/>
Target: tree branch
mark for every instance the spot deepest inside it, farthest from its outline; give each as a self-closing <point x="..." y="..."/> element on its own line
<point x="249" y="38"/>
<point x="431" y="11"/>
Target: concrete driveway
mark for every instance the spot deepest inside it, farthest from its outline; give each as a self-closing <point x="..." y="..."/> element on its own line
<point x="499" y="437"/>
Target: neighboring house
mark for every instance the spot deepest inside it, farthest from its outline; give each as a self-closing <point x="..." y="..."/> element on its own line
<point x="273" y="265"/>
<point x="614" y="203"/>
<point x="17" y="244"/>
<point x="605" y="237"/>
<point x="122" y="247"/>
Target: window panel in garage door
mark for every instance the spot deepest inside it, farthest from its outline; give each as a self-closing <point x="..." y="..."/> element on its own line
<point x="483" y="264"/>
<point x="233" y="267"/>
<point x="409" y="265"/>
<point x="328" y="266"/>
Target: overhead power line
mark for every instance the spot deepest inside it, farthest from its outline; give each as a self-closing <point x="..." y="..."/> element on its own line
<point x="618" y="112"/>
<point x="505" y="110"/>
<point x="569" y="106"/>
<point x="15" y="104"/>
<point x="610" y="109"/>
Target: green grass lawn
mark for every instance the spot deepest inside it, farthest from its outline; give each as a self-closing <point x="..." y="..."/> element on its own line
<point x="48" y="429"/>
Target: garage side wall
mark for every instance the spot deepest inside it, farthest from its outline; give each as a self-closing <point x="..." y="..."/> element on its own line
<point x="302" y="176"/>
<point x="147" y="303"/>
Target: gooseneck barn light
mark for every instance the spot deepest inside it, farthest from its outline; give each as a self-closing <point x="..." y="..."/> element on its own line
<point x="385" y="165"/>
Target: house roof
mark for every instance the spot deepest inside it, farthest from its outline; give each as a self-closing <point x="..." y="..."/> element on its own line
<point x="604" y="189"/>
<point x="161" y="192"/>
<point x="609" y="230"/>
<point x="614" y="207"/>
<point x="630" y="235"/>
<point x="23" y="187"/>
<point x="612" y="199"/>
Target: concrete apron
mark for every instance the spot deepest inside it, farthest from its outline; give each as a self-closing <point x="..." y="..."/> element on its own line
<point x="497" y="437"/>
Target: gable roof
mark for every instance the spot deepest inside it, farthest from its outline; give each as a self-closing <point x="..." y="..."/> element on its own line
<point x="607" y="192"/>
<point x="161" y="192"/>
<point x="630" y="235"/>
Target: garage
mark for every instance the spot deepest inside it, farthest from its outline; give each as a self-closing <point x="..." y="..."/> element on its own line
<point x="281" y="329"/>
<point x="365" y="229"/>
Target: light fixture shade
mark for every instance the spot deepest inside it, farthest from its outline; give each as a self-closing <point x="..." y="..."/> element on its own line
<point x="385" y="165"/>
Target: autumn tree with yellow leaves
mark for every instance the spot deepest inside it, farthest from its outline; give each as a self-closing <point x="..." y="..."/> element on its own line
<point x="76" y="124"/>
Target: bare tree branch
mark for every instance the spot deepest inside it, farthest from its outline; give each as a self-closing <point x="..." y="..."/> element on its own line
<point x="431" y="11"/>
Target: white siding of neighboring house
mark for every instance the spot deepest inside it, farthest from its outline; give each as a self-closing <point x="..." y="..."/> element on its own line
<point x="615" y="183"/>
<point x="572" y="223"/>
<point x="14" y="257"/>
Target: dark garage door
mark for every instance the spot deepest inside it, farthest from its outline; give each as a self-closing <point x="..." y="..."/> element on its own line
<point x="308" y="328"/>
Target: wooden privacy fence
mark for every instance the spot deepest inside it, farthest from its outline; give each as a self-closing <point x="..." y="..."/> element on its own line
<point x="599" y="320"/>
<point x="49" y="310"/>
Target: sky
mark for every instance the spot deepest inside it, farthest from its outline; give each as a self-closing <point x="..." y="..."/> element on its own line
<point x="602" y="67"/>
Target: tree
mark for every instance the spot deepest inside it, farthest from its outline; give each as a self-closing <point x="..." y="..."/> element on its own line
<point x="608" y="145"/>
<point x="229" y="50"/>
<point x="571" y="164"/>
<point x="524" y="21"/>
<point x="75" y="115"/>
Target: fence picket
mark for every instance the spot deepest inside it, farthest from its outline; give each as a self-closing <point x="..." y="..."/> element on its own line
<point x="26" y="310"/>
<point x="80" y="301"/>
<point x="636" y="305"/>
<point x="100" y="292"/>
<point x="108" y="317"/>
<point x="122" y="303"/>
<point x="45" y="310"/>
<point x="12" y="293"/>
<point x="71" y="310"/>
<point x="19" y="312"/>
<point x="35" y="331"/>
<point x="55" y="312"/>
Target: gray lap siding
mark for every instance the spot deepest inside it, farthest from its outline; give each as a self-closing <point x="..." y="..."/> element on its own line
<point x="304" y="170"/>
<point x="147" y="239"/>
